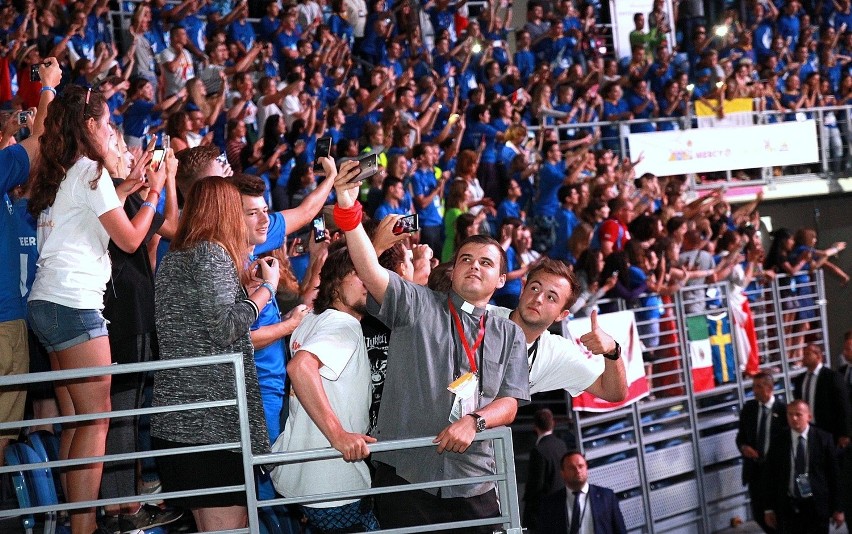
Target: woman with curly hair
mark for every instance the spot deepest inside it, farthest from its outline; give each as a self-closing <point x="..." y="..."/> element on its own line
<point x="79" y="211"/>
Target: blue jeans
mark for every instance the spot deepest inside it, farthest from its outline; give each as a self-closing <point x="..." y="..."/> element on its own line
<point x="59" y="327"/>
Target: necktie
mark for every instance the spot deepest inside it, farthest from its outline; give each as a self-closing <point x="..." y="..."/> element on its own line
<point x="575" y="515"/>
<point x="806" y="394"/>
<point x="761" y="431"/>
<point x="801" y="463"/>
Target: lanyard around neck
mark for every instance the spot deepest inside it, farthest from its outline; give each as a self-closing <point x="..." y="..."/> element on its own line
<point x="469" y="351"/>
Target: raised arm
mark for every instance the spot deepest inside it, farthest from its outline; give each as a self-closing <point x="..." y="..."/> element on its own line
<point x="298" y="217"/>
<point x="373" y="275"/>
<point x="51" y="75"/>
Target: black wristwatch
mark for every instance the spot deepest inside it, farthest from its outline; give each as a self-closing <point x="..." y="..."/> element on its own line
<point x="480" y="421"/>
<point x="615" y="354"/>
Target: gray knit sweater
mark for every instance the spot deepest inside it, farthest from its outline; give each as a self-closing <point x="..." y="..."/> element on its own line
<point x="202" y="310"/>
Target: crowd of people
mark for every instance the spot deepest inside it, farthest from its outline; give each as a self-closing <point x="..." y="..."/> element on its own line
<point x="156" y="194"/>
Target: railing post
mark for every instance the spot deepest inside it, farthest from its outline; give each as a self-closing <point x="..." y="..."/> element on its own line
<point x="822" y="135"/>
<point x="245" y="441"/>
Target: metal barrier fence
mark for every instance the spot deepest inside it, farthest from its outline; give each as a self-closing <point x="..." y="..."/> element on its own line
<point x="834" y="140"/>
<point x="671" y="458"/>
<point x="504" y="476"/>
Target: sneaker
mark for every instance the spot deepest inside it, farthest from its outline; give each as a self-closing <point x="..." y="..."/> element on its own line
<point x="151" y="488"/>
<point x="147" y="517"/>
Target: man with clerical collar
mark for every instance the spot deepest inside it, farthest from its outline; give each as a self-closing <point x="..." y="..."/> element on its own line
<point x="453" y="370"/>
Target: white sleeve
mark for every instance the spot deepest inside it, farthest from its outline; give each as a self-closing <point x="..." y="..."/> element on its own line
<point x="334" y="343"/>
<point x="102" y="198"/>
<point x="561" y="364"/>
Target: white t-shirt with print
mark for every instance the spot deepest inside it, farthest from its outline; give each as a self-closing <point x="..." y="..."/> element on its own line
<point x="73" y="264"/>
<point x="336" y="339"/>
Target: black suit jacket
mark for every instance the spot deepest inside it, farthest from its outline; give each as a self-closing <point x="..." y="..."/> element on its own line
<point x="841" y="372"/>
<point x="831" y="402"/>
<point x="747" y="434"/>
<point x="601" y="503"/>
<point x="822" y="470"/>
<point x="544" y="476"/>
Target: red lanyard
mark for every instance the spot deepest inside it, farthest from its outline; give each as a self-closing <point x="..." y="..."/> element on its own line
<point x="471" y="352"/>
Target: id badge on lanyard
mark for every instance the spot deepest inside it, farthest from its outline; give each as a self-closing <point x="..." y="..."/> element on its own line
<point x="466" y="386"/>
<point x="465" y="401"/>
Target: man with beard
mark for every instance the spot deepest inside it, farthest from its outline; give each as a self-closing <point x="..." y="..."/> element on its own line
<point x="330" y="374"/>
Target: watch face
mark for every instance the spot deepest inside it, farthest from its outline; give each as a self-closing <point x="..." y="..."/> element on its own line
<point x="480" y="424"/>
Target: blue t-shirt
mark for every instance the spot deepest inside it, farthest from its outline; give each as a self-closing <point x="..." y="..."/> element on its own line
<point x="473" y="135"/>
<point x="550" y="179"/>
<point x="566" y="221"/>
<point x="138" y="117"/>
<point x="652" y="303"/>
<point x="525" y="61"/>
<point x="268" y="27"/>
<point x="270" y="360"/>
<point x="424" y="183"/>
<point x="242" y="32"/>
<point x="284" y="41"/>
<point x="508" y="208"/>
<point x="26" y="229"/>
<point x="788" y="27"/>
<point x="386" y="209"/>
<point x="511" y="287"/>
<point x="275" y="236"/>
<point x="634" y="101"/>
<point x="14" y="169"/>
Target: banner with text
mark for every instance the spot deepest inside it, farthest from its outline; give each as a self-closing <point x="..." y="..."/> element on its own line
<point x="622" y="327"/>
<point x="707" y="150"/>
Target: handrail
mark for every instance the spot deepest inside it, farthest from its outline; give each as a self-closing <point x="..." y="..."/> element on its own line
<point x="502" y="437"/>
<point x="504" y="476"/>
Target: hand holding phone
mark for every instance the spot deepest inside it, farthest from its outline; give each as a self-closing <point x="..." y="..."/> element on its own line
<point x="323" y="151"/>
<point x="368" y="165"/>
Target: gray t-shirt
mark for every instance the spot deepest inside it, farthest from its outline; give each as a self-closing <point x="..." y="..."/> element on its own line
<point x="423" y="358"/>
<point x="694" y="299"/>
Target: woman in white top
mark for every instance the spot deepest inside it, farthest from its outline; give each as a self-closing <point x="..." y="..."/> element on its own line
<point x="78" y="211"/>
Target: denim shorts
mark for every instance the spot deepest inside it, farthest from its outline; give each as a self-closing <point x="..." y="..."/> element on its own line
<point x="59" y="327"/>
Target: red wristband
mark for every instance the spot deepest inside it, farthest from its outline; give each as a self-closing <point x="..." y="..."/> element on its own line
<point x="348" y="219"/>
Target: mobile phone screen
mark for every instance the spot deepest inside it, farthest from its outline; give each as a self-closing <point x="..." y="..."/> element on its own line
<point x="323" y="151"/>
<point x="408" y="224"/>
<point x="159" y="156"/>
<point x="319" y="229"/>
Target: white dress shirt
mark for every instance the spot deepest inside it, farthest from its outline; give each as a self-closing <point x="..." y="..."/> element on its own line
<point x="587" y="525"/>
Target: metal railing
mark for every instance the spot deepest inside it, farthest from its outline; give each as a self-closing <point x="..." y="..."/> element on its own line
<point x="504" y="476"/>
<point x="678" y="444"/>
<point x="834" y="139"/>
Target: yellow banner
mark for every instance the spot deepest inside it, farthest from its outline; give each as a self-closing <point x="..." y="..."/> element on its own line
<point x="737" y="105"/>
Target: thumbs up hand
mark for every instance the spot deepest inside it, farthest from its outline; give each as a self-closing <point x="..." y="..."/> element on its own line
<point x="598" y="341"/>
